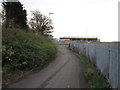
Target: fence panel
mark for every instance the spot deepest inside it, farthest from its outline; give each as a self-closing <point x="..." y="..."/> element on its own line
<point x="87" y="49"/>
<point x="102" y="58"/>
<point x="92" y="52"/>
<point x="113" y="69"/>
<point x="105" y="56"/>
<point x="119" y="66"/>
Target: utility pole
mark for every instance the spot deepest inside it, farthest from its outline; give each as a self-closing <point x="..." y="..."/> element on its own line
<point x="50" y="14"/>
<point x="49" y="19"/>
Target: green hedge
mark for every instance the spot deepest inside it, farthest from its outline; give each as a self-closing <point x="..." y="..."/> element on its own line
<point x="25" y="50"/>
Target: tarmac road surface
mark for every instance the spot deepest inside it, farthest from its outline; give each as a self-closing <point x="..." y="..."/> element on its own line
<point x="66" y="71"/>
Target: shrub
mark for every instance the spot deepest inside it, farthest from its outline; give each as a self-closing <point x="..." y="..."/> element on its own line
<point x="25" y="50"/>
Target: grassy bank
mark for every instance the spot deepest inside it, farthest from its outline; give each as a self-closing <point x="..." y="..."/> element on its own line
<point x="24" y="51"/>
<point x="95" y="80"/>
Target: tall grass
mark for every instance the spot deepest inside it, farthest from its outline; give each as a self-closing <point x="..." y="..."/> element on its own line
<point x="94" y="79"/>
<point x="25" y="50"/>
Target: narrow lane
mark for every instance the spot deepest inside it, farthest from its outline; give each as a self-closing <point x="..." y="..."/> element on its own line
<point x="66" y="71"/>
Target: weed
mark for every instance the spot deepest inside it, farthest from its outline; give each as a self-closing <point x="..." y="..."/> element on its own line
<point x="94" y="79"/>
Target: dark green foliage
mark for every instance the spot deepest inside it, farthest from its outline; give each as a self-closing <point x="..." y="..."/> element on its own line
<point x="15" y="15"/>
<point x="25" y="50"/>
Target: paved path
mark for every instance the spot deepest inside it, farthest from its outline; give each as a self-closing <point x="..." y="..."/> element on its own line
<point x="66" y="71"/>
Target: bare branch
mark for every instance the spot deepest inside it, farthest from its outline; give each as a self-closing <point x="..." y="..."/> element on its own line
<point x="40" y="22"/>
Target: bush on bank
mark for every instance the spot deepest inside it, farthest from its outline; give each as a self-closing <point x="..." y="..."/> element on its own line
<point x="25" y="50"/>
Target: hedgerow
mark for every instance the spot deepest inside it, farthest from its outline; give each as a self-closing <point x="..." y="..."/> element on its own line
<point x="25" y="50"/>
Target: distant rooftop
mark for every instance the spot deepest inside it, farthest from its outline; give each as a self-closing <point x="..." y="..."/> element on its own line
<point x="83" y="38"/>
<point x="79" y="37"/>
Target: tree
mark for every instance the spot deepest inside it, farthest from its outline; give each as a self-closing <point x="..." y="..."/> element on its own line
<point x="40" y="23"/>
<point x="15" y="15"/>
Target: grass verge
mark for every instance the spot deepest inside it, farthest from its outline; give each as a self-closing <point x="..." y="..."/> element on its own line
<point x="95" y="80"/>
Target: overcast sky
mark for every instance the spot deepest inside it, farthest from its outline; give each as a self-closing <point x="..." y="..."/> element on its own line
<point x="80" y="17"/>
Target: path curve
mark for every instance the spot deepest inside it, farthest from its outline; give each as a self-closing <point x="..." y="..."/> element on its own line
<point x="66" y="71"/>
